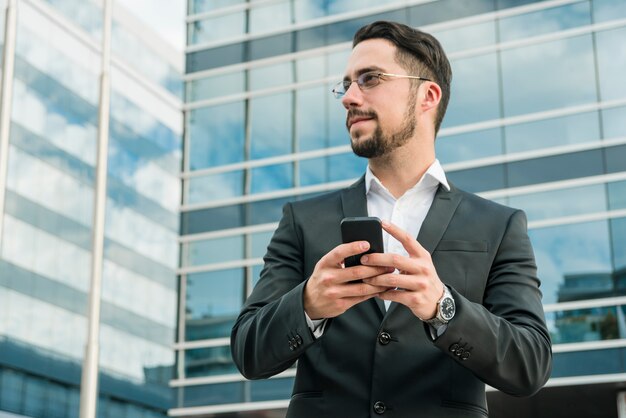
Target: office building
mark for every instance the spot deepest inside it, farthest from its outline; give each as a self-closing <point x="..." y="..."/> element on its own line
<point x="47" y="216"/>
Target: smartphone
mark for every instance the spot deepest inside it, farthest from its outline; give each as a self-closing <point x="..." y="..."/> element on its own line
<point x="367" y="228"/>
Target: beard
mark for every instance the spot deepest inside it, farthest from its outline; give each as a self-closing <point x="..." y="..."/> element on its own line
<point x="382" y="143"/>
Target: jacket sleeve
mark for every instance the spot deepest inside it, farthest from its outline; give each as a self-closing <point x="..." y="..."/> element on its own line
<point x="504" y="341"/>
<point x="271" y="330"/>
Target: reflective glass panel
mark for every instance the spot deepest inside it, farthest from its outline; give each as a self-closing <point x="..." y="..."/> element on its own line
<point x="593" y="324"/>
<point x="199" y="6"/>
<point x="337" y="132"/>
<point x="479" y="179"/>
<point x="611" y="50"/>
<point x="85" y="13"/>
<point x="272" y="75"/>
<point x="310" y="9"/>
<point x="591" y="362"/>
<point x="209" y="361"/>
<point x="216" y="86"/>
<point x="214" y="28"/>
<point x="467" y="37"/>
<point x="604" y="10"/>
<point x="213" y="302"/>
<point x="311" y="68"/>
<point x="618" y="236"/>
<point x="345" y="167"/>
<point x="613" y="122"/>
<point x="311" y="121"/>
<point x="544" y="21"/>
<point x="469" y="146"/>
<point x="559" y="203"/>
<point x="236" y="392"/>
<point x="259" y="242"/>
<point x="215" y="186"/>
<point x="574" y="261"/>
<point x="214" y="250"/>
<point x="617" y="195"/>
<point x="270" y="17"/>
<point x="474" y="93"/>
<point x="271" y="125"/>
<point x="583" y="127"/>
<point x="313" y="171"/>
<point x="216" y="135"/>
<point x="271" y="177"/>
<point x="540" y="77"/>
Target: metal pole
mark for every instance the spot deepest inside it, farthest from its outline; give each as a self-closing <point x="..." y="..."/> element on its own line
<point x="89" y="382"/>
<point x="6" y="100"/>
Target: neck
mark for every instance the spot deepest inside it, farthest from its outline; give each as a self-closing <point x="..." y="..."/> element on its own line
<point x="402" y="168"/>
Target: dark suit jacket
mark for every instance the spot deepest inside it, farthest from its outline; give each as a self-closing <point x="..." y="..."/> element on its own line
<point x="480" y="249"/>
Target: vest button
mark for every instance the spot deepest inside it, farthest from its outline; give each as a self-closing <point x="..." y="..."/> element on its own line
<point x="380" y="408"/>
<point x="384" y="338"/>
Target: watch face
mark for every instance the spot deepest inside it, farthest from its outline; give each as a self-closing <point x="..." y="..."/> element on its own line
<point x="447" y="308"/>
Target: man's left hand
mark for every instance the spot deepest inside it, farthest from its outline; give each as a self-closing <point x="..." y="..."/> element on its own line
<point x="416" y="284"/>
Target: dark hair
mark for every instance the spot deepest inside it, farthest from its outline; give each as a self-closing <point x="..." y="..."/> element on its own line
<point x="416" y="51"/>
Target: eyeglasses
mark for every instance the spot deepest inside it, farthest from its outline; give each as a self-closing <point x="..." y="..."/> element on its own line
<point x="367" y="81"/>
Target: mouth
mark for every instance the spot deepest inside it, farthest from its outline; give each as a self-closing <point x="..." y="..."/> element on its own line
<point x="357" y="120"/>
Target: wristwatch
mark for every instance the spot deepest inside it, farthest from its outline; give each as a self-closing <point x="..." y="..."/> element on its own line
<point x="445" y="310"/>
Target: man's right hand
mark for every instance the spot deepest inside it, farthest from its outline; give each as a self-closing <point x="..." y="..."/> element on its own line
<point x="332" y="289"/>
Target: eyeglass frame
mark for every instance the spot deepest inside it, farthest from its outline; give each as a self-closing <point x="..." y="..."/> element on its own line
<point x="378" y="75"/>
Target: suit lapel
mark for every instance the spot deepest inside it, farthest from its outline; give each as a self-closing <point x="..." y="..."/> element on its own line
<point x="354" y="203"/>
<point x="437" y="220"/>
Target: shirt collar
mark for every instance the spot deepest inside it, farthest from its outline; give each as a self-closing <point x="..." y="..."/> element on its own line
<point x="434" y="176"/>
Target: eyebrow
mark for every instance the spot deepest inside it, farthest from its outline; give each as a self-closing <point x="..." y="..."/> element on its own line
<point x="372" y="68"/>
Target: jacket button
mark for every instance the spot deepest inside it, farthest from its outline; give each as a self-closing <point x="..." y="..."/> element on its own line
<point x="380" y="408"/>
<point x="384" y="338"/>
<point x="465" y="355"/>
<point x="454" y="347"/>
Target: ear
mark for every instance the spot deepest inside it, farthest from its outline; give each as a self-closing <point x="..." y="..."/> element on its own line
<point x="430" y="93"/>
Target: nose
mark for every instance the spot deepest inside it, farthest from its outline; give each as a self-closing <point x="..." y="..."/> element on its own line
<point x="353" y="96"/>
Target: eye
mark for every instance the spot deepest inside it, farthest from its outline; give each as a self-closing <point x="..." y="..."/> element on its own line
<point x="368" y="80"/>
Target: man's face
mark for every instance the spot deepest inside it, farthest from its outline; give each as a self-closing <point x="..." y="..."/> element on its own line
<point x="382" y="118"/>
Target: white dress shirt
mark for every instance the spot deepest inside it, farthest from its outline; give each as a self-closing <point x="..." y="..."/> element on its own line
<point x="408" y="213"/>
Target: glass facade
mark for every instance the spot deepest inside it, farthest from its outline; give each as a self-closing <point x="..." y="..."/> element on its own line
<point x="46" y="250"/>
<point x="535" y="121"/>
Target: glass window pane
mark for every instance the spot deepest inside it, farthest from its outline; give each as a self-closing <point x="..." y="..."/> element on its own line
<point x="212" y="219"/>
<point x="467" y="37"/>
<point x="310" y="9"/>
<point x="584" y="363"/>
<point x="479" y="179"/>
<point x="271" y="177"/>
<point x="271" y="125"/>
<point x="547" y="133"/>
<point x="474" y="91"/>
<point x="554" y="168"/>
<point x="594" y="324"/>
<point x="271" y="17"/>
<point x="611" y="50"/>
<point x="618" y="236"/>
<point x="558" y="203"/>
<point x="311" y="120"/>
<point x="259" y="242"/>
<point x="613" y="122"/>
<point x="209" y="361"/>
<point x="336" y="115"/>
<point x="272" y="75"/>
<point x="540" y="77"/>
<point x="574" y="261"/>
<point x="198" y="6"/>
<point x="469" y="146"/>
<point x="216" y="86"/>
<point x="214" y="250"/>
<point x="604" y="10"/>
<point x="617" y="195"/>
<point x="544" y="21"/>
<point x="215" y="186"/>
<point x="345" y="167"/>
<point x="220" y="27"/>
<point x="216" y="135"/>
<point x="313" y="171"/>
<point x="311" y="68"/>
<point x="213" y="302"/>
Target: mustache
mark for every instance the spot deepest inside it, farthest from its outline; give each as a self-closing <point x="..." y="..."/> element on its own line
<point x="352" y="113"/>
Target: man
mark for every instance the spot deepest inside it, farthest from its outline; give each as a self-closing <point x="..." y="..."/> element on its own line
<point x="433" y="319"/>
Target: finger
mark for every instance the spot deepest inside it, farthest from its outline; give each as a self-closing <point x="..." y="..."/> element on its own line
<point x="395" y="280"/>
<point x="336" y="256"/>
<point x="408" y="241"/>
<point x="390" y="260"/>
<point x="359" y="289"/>
<point x="360" y="272"/>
